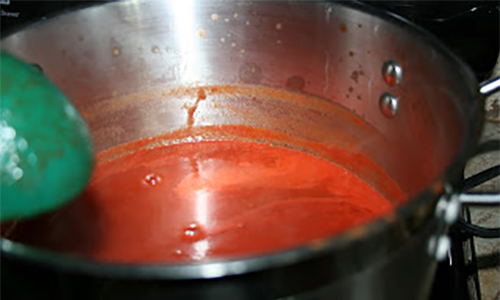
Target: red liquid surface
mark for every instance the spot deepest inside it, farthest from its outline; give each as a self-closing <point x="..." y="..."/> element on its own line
<point x="203" y="200"/>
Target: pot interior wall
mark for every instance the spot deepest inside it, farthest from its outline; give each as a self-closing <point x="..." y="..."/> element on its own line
<point x="133" y="67"/>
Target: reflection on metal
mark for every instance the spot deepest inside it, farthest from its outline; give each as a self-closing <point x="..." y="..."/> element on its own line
<point x="392" y="73"/>
<point x="453" y="209"/>
<point x="446" y="212"/>
<point x="202" y="213"/>
<point x="490" y="86"/>
<point x="388" y="105"/>
<point x="186" y="35"/>
<point x="443" y="244"/>
<point x="482" y="199"/>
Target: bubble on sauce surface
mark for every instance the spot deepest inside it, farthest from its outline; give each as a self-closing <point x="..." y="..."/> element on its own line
<point x="152" y="179"/>
<point x="178" y="252"/>
<point x="192" y="233"/>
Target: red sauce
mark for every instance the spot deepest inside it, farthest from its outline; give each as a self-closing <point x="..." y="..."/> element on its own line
<point x="206" y="199"/>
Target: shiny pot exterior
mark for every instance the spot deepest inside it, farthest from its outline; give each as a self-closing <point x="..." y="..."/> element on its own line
<point x="132" y="67"/>
<point x="403" y="274"/>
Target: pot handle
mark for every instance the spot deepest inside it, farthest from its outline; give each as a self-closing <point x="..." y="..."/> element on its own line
<point x="449" y="205"/>
<point x="486" y="88"/>
<point x="489" y="86"/>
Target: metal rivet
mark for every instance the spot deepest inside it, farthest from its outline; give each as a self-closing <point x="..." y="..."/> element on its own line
<point x="392" y="73"/>
<point x="388" y="105"/>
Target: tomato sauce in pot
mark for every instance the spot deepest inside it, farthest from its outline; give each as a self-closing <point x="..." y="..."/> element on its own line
<point x="170" y="200"/>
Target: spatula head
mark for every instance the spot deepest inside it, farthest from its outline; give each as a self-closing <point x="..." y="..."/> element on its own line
<point x="46" y="155"/>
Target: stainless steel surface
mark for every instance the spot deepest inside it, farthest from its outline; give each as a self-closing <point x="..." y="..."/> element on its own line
<point x="133" y="67"/>
<point x="392" y="73"/>
<point x="159" y="45"/>
<point x="388" y="105"/>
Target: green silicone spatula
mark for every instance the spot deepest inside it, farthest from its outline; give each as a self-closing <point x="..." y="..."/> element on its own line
<point x="46" y="155"/>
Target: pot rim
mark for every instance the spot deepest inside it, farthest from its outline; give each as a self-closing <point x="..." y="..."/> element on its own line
<point x="236" y="266"/>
